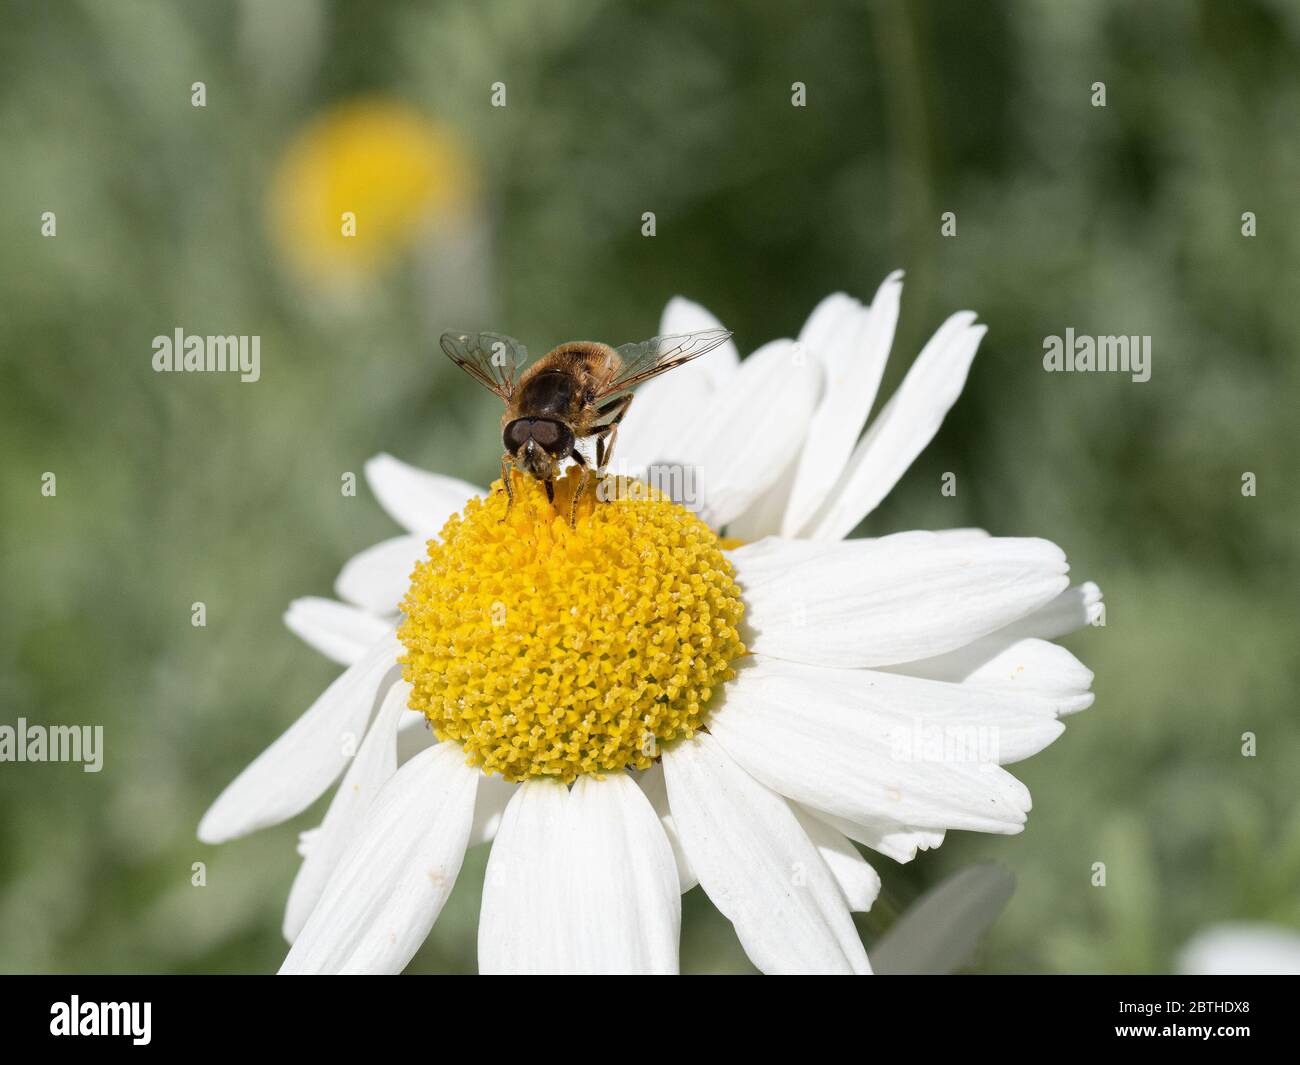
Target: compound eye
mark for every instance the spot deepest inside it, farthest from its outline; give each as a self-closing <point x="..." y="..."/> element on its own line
<point x="547" y="434"/>
<point x="517" y="434"/>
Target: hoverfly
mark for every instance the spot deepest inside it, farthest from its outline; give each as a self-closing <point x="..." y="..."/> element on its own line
<point x="578" y="390"/>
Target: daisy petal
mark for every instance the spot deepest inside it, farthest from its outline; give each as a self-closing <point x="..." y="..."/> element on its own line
<point x="608" y="896"/>
<point x="652" y="783"/>
<point x="378" y="577"/>
<point x="624" y="899"/>
<point x="744" y="444"/>
<point x="902" y="429"/>
<point x="374" y="763"/>
<point x="392" y="882"/>
<point x="416" y="499"/>
<point x="289" y="775"/>
<point x="893" y="840"/>
<point x="859" y="883"/>
<point x="335" y="629"/>
<point x="758" y="865"/>
<point x="764" y="515"/>
<point x="661" y="417"/>
<point x="891" y="600"/>
<point x="833" y="326"/>
<point x="494" y="795"/>
<point x="854" y="352"/>
<point x="1071" y="610"/>
<point x="1031" y="667"/>
<point x="852" y="743"/>
<point x="825" y="328"/>
<point x="519" y="928"/>
<point x="918" y="719"/>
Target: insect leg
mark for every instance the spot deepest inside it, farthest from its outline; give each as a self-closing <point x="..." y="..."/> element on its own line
<point x="608" y="433"/>
<point x="582" y="484"/>
<point x="614" y="404"/>
<point x="507" y="473"/>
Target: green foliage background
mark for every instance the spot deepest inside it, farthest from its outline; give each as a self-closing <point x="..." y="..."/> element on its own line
<point x="1124" y="219"/>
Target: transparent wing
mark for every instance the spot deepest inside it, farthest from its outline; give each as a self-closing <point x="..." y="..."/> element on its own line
<point x="658" y="355"/>
<point x="492" y="359"/>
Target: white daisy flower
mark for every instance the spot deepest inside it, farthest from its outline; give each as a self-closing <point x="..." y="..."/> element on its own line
<point x="640" y="703"/>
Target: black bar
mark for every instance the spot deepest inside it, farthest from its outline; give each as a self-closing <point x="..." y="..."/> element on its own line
<point x="992" y="1014"/>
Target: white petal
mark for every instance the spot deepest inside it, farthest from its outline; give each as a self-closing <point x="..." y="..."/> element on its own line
<point x="758" y="865"/>
<point x="854" y="353"/>
<point x="661" y="417"/>
<point x="306" y="839"/>
<point x="988" y="719"/>
<point x="378" y="577"/>
<point x="767" y="561"/>
<point x="843" y="741"/>
<point x="896" y="599"/>
<point x="580" y="882"/>
<point x="393" y="880"/>
<point x="830" y="320"/>
<point x="336" y="630"/>
<point x="1032" y="667"/>
<point x="824" y="331"/>
<point x="902" y="429"/>
<point x="417" y="499"/>
<point x="752" y="430"/>
<point x="890" y="838"/>
<point x="1071" y="610"/>
<point x="415" y="719"/>
<point x="494" y="795"/>
<point x="374" y="763"/>
<point x="519" y="925"/>
<point x="859" y="883"/>
<point x="623" y="912"/>
<point x="652" y="783"/>
<point x="964" y="535"/>
<point x="764" y="514"/>
<point x="289" y="775"/>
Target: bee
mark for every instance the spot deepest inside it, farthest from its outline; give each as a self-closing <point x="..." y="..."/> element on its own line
<point x="577" y="391"/>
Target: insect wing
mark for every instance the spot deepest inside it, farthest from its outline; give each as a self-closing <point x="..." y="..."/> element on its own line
<point x="492" y="359"/>
<point x="658" y="355"/>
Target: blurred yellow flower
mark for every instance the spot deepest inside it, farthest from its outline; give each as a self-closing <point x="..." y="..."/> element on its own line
<point x="362" y="182"/>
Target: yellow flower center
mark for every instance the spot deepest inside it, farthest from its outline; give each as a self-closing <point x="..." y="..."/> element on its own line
<point x="552" y="651"/>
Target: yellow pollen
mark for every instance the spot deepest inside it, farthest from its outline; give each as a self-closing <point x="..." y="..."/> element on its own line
<point x="550" y="651"/>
